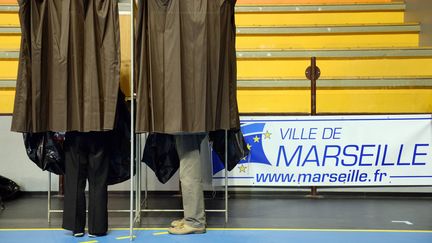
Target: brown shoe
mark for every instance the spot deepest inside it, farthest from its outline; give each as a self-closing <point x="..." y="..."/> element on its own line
<point x="177" y="223"/>
<point x="186" y="229"/>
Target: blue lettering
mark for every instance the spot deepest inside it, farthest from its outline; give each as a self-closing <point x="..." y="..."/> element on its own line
<point x="346" y="154"/>
<point x="288" y="163"/>
<point x="294" y="130"/>
<point x="304" y="178"/>
<point x="342" y="177"/>
<point x="274" y="177"/>
<point x="400" y="156"/>
<point x="313" y="133"/>
<point x="333" y="177"/>
<point x="313" y="160"/>
<point x="327" y="133"/>
<point x="363" y="154"/>
<point x="378" y="155"/>
<point x="261" y="177"/>
<point x="317" y="178"/>
<point x="283" y="135"/>
<point x="337" y="131"/>
<point x="384" y="157"/>
<point x="419" y="154"/>
<point x="334" y="156"/>
<point x="363" y="177"/>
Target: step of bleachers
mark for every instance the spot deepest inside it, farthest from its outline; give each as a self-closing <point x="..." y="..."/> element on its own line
<point x="329" y="36"/>
<point x="330" y="82"/>
<point x="263" y="2"/>
<point x="281" y="15"/>
<point x="336" y="101"/>
<point x="369" y="57"/>
<point x="383" y="62"/>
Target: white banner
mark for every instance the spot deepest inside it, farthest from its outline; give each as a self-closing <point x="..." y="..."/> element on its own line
<point x="333" y="151"/>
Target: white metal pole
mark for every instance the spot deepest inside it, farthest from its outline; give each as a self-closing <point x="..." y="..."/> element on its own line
<point x="138" y="180"/>
<point x="132" y="159"/>
<point x="49" y="197"/>
<point x="226" y="176"/>
<point x="146" y="181"/>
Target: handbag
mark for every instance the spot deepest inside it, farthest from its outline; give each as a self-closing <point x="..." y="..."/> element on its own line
<point x="8" y="189"/>
<point x="45" y="149"/>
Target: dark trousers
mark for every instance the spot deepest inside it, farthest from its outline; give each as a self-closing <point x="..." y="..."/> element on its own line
<point x="86" y="157"/>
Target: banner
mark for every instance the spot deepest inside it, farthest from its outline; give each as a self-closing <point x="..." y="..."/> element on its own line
<point x="333" y="151"/>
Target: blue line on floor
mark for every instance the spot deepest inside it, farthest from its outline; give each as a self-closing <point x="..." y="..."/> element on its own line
<point x="223" y="235"/>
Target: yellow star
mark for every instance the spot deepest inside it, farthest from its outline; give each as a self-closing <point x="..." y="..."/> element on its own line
<point x="242" y="168"/>
<point x="249" y="146"/>
<point x="267" y="135"/>
<point x="256" y="139"/>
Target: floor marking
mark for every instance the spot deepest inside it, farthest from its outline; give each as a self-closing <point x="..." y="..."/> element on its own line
<point x="246" y="229"/>
<point x="250" y="235"/>
<point x="125" y="237"/>
<point x="402" y="222"/>
<point x="304" y="229"/>
<point x="322" y="230"/>
<point x="33" y="229"/>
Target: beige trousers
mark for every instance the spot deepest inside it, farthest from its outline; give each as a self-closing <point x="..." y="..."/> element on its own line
<point x="188" y="149"/>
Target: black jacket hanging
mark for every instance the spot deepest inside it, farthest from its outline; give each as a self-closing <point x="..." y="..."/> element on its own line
<point x="161" y="156"/>
<point x="46" y="151"/>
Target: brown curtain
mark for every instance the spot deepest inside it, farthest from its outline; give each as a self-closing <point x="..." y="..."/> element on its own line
<point x="69" y="66"/>
<point x="186" y="66"/>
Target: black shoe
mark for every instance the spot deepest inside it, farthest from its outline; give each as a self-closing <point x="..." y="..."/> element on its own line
<point x="96" y="235"/>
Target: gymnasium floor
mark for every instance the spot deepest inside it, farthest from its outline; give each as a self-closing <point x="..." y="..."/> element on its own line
<point x="223" y="235"/>
<point x="252" y="218"/>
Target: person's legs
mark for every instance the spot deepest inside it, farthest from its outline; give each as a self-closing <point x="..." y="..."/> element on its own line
<point x="188" y="147"/>
<point x="98" y="170"/>
<point x="74" y="215"/>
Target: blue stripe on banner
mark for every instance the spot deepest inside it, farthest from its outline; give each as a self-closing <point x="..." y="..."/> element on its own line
<point x="252" y="128"/>
<point x="406" y="177"/>
<point x="235" y="177"/>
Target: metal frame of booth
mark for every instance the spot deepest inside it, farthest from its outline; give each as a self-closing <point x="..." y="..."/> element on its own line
<point x="136" y="181"/>
<point x="136" y="186"/>
<point x="139" y="202"/>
